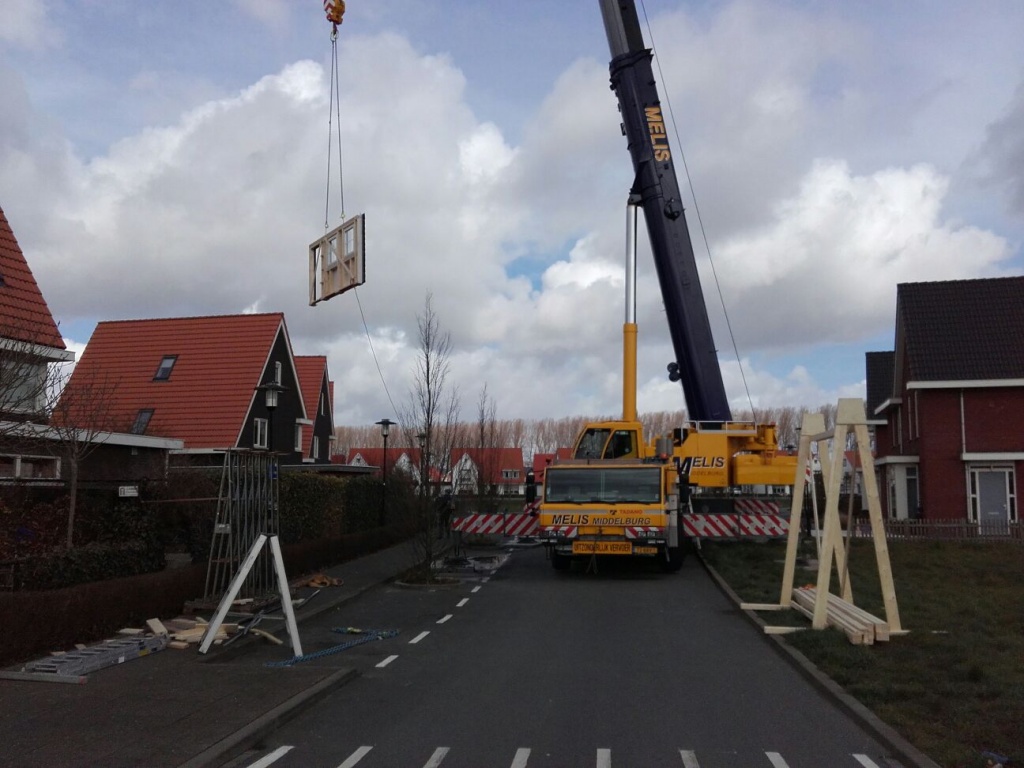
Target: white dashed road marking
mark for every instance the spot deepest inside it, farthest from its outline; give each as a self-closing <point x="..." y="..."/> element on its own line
<point x="522" y="755"/>
<point x="462" y="602"/>
<point x="272" y="757"/>
<point x="355" y="757"/>
<point x="776" y="760"/>
<point x="443" y="619"/>
<point x="418" y="637"/>
<point x="386" y="661"/>
<point x="475" y="589"/>
<point x="866" y="761"/>
<point x="604" y="758"/>
<point x="689" y="758"/>
<point x="436" y="758"/>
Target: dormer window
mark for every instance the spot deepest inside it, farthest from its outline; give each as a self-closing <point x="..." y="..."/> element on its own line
<point x="163" y="373"/>
<point x="142" y="421"/>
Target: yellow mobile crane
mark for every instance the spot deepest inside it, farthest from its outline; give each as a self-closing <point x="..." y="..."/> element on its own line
<point x="622" y="494"/>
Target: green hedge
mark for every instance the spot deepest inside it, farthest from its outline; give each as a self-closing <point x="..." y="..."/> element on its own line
<point x="92" y="562"/>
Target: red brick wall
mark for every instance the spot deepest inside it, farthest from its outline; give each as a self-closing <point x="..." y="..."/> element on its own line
<point x="993" y="423"/>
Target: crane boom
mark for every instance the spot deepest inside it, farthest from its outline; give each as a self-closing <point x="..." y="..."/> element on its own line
<point x="657" y="188"/>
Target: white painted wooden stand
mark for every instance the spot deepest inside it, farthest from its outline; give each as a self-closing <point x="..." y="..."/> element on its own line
<point x="236" y="585"/>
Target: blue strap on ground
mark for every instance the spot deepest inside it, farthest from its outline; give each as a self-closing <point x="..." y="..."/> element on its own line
<point x="367" y="635"/>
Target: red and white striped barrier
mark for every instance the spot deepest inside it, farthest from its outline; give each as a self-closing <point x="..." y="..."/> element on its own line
<point x="710" y="526"/>
<point x="507" y="525"/>
<point x="756" y="507"/>
<point x="734" y="525"/>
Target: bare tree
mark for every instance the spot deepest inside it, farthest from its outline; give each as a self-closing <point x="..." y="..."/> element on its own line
<point x="487" y="441"/>
<point x="81" y="418"/>
<point x="432" y="412"/>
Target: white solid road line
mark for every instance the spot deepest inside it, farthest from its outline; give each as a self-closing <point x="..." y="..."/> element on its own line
<point x="436" y="758"/>
<point x="355" y="757"/>
<point x="273" y="757"/>
<point x="522" y="755"/>
<point x="462" y="602"/>
<point x="445" y="618"/>
<point x="689" y="758"/>
<point x="604" y="758"/>
<point x="866" y="761"/>
<point x="776" y="760"/>
<point x="386" y="661"/>
<point x="418" y="637"/>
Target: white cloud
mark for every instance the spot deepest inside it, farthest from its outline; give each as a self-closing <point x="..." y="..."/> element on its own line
<point x="837" y="250"/>
<point x="27" y="23"/>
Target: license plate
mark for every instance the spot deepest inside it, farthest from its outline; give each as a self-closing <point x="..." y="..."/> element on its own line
<point x="602" y="548"/>
<point x="645" y="550"/>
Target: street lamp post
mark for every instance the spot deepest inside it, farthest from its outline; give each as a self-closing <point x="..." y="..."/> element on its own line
<point x="385" y="429"/>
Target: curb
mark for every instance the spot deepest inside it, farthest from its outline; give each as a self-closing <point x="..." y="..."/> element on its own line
<point x="266" y="724"/>
<point x="885" y="734"/>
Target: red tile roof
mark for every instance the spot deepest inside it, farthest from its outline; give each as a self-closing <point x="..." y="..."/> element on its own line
<point x="24" y="314"/>
<point x="220" y="361"/>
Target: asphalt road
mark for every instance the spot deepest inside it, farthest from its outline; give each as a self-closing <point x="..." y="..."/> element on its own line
<point x="625" y="667"/>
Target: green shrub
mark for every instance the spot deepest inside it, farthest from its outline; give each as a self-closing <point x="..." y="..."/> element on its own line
<point x="91" y="562"/>
<point x="310" y="506"/>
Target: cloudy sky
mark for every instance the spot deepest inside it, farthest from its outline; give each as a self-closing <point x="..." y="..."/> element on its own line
<point x="164" y="159"/>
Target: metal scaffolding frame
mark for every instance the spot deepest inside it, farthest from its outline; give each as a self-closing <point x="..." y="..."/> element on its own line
<point x="247" y="507"/>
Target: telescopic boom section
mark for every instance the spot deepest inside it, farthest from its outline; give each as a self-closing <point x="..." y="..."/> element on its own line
<point x="657" y="187"/>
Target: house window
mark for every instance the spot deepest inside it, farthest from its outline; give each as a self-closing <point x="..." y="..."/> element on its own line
<point x="30" y="467"/>
<point x="323" y="405"/>
<point x="277" y="372"/>
<point x="314" y="452"/>
<point x="298" y="437"/>
<point x="510" y="474"/>
<point x="259" y="433"/>
<point x="142" y="421"/>
<point x="163" y="373"/>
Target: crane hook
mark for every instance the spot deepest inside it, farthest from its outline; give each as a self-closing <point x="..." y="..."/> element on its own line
<point x="334" y="9"/>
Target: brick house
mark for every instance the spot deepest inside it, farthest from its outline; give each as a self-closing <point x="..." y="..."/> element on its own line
<point x="204" y="380"/>
<point x="498" y="470"/>
<point x="949" y="400"/>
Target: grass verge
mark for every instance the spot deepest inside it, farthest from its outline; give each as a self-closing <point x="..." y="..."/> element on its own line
<point x="954" y="686"/>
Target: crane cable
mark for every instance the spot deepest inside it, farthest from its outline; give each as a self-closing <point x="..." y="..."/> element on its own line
<point x="696" y="209"/>
<point x="331" y="7"/>
<point x="335" y="9"/>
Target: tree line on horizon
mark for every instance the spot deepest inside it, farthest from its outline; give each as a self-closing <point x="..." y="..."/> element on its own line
<point x="547" y="435"/>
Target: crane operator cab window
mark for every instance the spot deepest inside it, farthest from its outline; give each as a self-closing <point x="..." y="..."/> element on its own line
<point x="599" y="443"/>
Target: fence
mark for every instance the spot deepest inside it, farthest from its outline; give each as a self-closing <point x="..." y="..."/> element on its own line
<point x="948" y="530"/>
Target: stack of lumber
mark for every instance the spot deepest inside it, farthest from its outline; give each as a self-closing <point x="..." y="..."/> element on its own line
<point x="182" y="631"/>
<point x="861" y="627"/>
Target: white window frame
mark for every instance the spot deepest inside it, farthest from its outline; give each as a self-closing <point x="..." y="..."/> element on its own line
<point x="277" y="372"/>
<point x="298" y="438"/>
<point x="259" y="433"/>
<point x="314" y="449"/>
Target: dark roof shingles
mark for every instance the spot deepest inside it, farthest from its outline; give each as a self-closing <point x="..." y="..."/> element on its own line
<point x="963" y="330"/>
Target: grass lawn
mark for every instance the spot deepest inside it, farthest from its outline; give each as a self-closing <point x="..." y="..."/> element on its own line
<point x="954" y="686"/>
